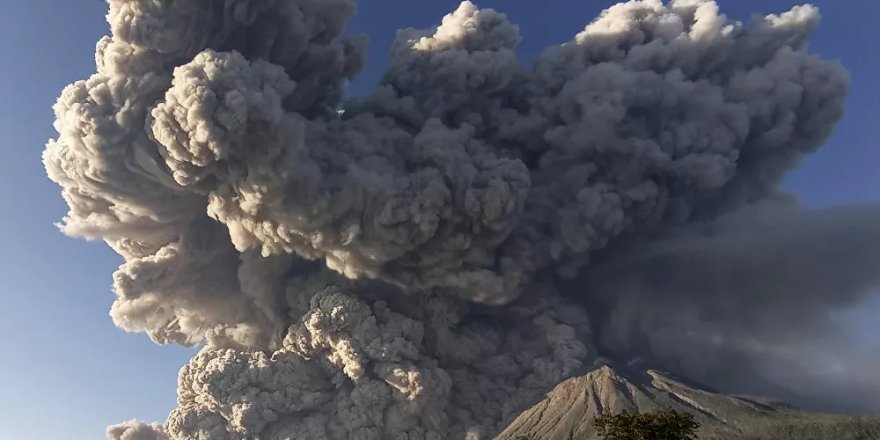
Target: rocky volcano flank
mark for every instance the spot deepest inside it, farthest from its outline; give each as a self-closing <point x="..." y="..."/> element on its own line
<point x="568" y="411"/>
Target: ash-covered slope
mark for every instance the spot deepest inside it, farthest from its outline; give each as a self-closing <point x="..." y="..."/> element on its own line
<point x="569" y="409"/>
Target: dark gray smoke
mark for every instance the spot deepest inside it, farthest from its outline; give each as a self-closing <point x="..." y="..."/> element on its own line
<point x="414" y="264"/>
<point x="755" y="289"/>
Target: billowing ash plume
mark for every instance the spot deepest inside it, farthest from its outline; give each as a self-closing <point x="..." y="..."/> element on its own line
<point x="419" y="263"/>
<point x="135" y="430"/>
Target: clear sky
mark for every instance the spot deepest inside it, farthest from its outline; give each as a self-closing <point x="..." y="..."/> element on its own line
<point x="66" y="371"/>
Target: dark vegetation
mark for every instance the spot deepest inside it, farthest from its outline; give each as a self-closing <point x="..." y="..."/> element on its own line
<point x="662" y="425"/>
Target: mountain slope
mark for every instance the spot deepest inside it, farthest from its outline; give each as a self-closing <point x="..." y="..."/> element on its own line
<point x="569" y="409"/>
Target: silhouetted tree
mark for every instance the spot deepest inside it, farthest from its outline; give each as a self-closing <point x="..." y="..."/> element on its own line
<point x="663" y="425"/>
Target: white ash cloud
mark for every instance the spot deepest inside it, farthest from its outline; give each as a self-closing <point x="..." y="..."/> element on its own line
<point x="136" y="430"/>
<point x="390" y="267"/>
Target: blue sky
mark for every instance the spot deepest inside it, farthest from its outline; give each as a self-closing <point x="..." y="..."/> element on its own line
<point x="66" y="371"/>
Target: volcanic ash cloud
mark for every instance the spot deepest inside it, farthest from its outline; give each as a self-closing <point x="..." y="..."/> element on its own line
<point x="406" y="265"/>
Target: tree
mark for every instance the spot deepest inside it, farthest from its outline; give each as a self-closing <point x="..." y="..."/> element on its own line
<point x="663" y="425"/>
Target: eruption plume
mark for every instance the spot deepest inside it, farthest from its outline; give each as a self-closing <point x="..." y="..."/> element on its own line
<point x="426" y="261"/>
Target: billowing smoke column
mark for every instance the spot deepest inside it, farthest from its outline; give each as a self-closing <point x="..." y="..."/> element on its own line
<point x="419" y="263"/>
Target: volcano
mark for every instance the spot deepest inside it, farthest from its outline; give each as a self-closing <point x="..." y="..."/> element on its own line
<point x="567" y="411"/>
